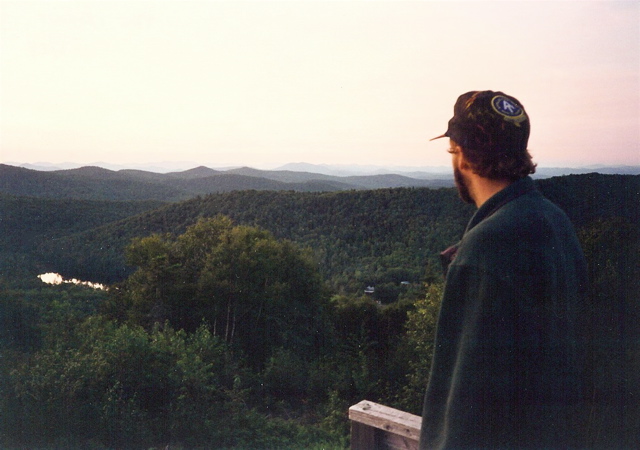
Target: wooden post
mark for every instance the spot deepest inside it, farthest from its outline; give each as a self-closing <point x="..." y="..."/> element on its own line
<point x="375" y="426"/>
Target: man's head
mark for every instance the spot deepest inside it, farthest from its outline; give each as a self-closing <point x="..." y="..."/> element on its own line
<point x="492" y="131"/>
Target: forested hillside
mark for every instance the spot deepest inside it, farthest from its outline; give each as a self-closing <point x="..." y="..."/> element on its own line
<point x="86" y="184"/>
<point x="27" y="221"/>
<point x="239" y="319"/>
<point x="358" y="238"/>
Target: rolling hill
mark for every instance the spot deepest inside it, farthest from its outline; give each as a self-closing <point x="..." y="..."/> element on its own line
<point x="87" y="183"/>
<point x="27" y="222"/>
<point x="96" y="183"/>
<point x="359" y="231"/>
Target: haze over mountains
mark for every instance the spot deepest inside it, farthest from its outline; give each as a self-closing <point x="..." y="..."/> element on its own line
<point x="340" y="170"/>
<point x="100" y="183"/>
<point x="97" y="183"/>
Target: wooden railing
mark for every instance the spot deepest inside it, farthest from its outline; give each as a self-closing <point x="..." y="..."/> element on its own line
<point x="375" y="426"/>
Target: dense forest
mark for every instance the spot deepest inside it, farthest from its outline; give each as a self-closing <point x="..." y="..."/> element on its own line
<point x="240" y="319"/>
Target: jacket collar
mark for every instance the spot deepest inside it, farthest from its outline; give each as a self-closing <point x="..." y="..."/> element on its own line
<point x="501" y="198"/>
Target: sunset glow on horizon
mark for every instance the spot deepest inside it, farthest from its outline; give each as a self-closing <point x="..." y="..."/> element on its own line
<point x="325" y="82"/>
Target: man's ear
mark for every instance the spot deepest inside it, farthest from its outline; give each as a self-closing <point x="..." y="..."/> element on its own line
<point x="462" y="161"/>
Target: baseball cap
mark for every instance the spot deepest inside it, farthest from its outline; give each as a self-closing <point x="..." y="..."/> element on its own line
<point x="489" y="121"/>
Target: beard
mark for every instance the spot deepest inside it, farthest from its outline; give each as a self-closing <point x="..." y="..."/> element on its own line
<point x="461" y="184"/>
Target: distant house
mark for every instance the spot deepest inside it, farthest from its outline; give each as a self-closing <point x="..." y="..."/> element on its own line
<point x="369" y="290"/>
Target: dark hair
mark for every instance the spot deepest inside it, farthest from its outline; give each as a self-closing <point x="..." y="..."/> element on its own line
<point x="508" y="165"/>
<point x="492" y="128"/>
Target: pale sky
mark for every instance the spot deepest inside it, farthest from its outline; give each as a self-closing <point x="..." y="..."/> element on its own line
<point x="325" y="82"/>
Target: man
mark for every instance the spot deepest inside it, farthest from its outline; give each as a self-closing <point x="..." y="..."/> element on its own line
<point x="509" y="362"/>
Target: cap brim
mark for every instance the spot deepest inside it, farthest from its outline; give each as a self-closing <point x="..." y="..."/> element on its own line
<point x="438" y="137"/>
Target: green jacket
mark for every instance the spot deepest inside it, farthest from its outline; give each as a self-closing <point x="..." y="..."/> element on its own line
<point x="508" y="369"/>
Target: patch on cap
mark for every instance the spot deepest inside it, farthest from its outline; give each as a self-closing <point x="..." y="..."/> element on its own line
<point x="508" y="109"/>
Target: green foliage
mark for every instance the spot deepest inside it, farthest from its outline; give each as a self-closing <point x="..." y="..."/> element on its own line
<point x="418" y="348"/>
<point x="285" y="376"/>
<point x="591" y="197"/>
<point x="222" y="333"/>
<point x="18" y="322"/>
<point x="27" y="221"/>
<point x="355" y="236"/>
<point x="368" y="360"/>
<point x="125" y="387"/>
<point x="36" y="315"/>
<point x="257" y="293"/>
<point x="612" y="248"/>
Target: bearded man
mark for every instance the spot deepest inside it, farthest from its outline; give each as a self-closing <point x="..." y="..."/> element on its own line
<point x="509" y="365"/>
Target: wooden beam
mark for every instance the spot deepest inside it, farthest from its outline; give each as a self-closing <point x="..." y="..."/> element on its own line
<point x="378" y="426"/>
<point x="362" y="436"/>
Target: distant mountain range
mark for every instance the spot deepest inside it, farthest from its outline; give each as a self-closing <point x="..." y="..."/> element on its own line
<point x="338" y="170"/>
<point x="99" y="183"/>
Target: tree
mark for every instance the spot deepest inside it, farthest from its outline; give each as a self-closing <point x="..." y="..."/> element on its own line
<point x="254" y="291"/>
<point x="612" y="249"/>
<point x="420" y="336"/>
